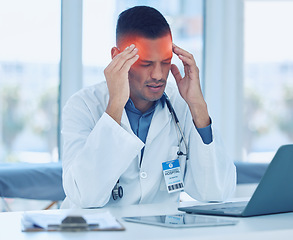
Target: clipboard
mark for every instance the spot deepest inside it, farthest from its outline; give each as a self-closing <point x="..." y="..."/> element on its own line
<point x="71" y="224"/>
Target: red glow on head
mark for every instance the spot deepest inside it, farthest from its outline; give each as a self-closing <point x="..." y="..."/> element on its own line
<point x="158" y="49"/>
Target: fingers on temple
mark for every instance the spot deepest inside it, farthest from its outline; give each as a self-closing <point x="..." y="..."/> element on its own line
<point x="176" y="73"/>
<point x="129" y="55"/>
<point x="185" y="56"/>
<point x="187" y="60"/>
<point x="127" y="65"/>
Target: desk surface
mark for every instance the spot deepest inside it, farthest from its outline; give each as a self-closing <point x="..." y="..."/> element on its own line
<point x="277" y="226"/>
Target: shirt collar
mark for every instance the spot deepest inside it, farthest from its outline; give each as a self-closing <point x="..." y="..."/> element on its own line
<point x="130" y="105"/>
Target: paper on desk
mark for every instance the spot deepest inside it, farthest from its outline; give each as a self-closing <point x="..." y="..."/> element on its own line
<point x="41" y="220"/>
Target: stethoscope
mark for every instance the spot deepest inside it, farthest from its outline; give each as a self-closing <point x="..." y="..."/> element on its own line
<point x="178" y="129"/>
<point x="117" y="191"/>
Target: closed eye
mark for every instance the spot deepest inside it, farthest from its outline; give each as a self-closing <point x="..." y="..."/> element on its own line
<point x="145" y="65"/>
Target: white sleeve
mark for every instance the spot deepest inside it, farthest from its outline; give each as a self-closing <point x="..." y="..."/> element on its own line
<point x="95" y="154"/>
<point x="210" y="173"/>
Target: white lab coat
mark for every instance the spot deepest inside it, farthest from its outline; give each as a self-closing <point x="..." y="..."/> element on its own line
<point x="98" y="151"/>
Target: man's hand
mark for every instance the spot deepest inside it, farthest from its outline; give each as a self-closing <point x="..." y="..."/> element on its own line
<point x="189" y="87"/>
<point x="116" y="74"/>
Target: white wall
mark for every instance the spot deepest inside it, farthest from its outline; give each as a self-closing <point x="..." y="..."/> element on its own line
<point x="224" y="70"/>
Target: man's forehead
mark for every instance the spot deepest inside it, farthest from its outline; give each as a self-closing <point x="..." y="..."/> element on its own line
<point x="149" y="48"/>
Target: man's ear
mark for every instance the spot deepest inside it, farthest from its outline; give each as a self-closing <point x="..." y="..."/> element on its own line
<point x="114" y="52"/>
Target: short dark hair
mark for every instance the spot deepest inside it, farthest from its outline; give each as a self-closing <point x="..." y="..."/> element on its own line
<point x="142" y="21"/>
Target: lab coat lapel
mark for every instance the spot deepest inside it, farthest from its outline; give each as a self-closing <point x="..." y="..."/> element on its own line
<point x="159" y="121"/>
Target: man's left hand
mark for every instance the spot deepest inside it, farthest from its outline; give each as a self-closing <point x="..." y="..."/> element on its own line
<point x="189" y="87"/>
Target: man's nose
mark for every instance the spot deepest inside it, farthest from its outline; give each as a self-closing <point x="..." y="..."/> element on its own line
<point x="157" y="72"/>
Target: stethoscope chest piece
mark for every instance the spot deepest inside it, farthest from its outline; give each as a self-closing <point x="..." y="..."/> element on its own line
<point x="117" y="192"/>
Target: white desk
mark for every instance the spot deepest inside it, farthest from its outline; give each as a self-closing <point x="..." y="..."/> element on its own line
<point x="278" y="226"/>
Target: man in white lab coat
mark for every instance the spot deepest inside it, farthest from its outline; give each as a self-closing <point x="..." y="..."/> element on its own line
<point x="120" y="134"/>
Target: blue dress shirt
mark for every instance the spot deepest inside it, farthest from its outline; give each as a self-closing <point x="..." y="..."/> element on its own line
<point x="140" y="122"/>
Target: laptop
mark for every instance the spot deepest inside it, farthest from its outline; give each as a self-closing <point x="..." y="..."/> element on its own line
<point x="274" y="193"/>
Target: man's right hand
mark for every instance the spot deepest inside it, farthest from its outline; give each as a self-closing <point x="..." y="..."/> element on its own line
<point x="116" y="74"/>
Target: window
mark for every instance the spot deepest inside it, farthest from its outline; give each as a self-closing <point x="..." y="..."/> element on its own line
<point x="268" y="78"/>
<point x="99" y="23"/>
<point x="29" y="80"/>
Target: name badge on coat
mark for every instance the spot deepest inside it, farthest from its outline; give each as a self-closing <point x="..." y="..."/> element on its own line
<point x="173" y="176"/>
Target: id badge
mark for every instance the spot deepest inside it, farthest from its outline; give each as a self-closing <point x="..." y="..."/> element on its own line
<point x="173" y="176"/>
<point x="174" y="219"/>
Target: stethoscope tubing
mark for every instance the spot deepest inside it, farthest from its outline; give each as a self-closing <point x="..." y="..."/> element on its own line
<point x="174" y="115"/>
